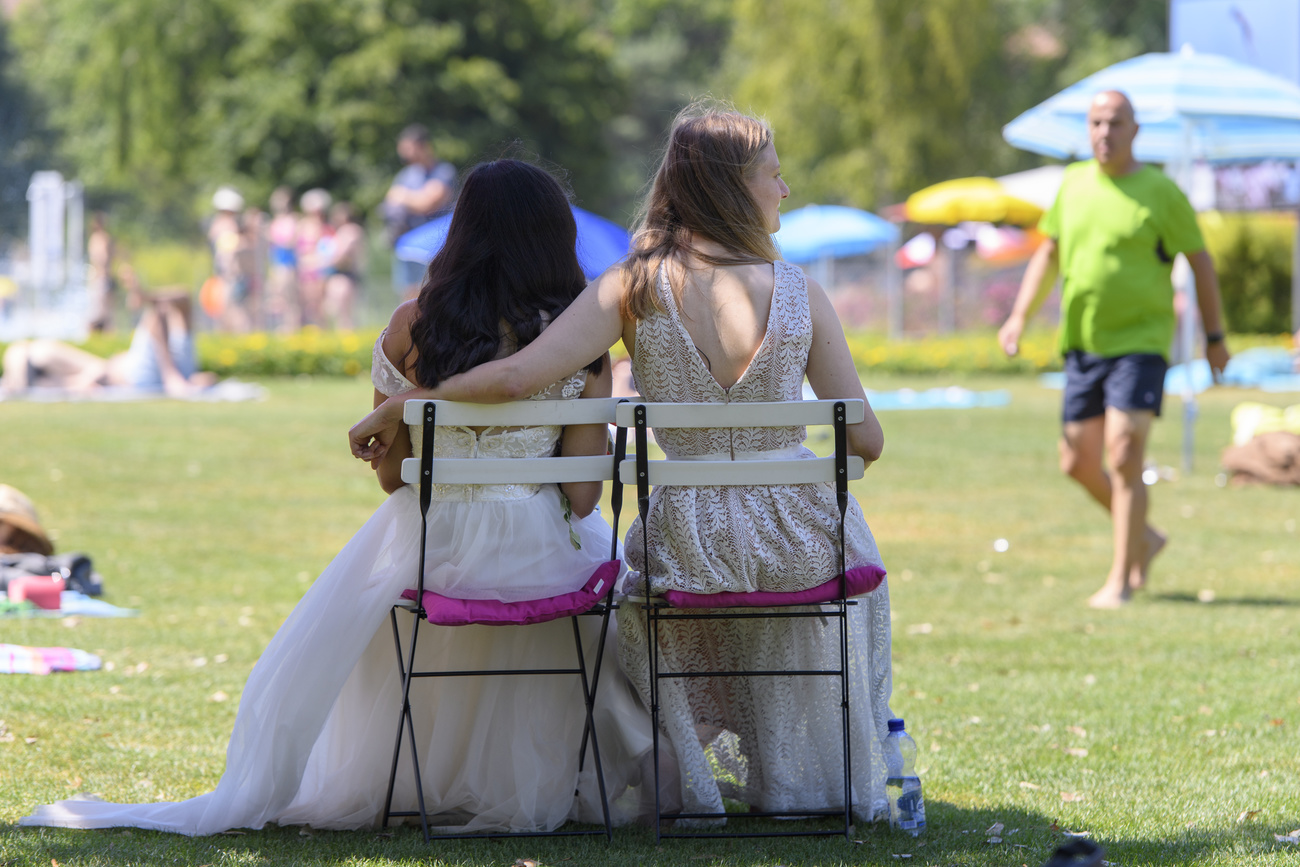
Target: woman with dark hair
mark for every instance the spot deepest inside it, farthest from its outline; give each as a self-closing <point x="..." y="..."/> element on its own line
<point x="709" y="313"/>
<point x="314" y="733"/>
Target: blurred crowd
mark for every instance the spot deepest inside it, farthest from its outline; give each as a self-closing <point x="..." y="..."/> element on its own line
<point x="296" y="263"/>
<point x="281" y="270"/>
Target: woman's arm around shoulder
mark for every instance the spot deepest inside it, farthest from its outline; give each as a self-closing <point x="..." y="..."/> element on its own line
<point x="582" y="333"/>
<point x="588" y="439"/>
<point x="396" y="346"/>
<point x="833" y="376"/>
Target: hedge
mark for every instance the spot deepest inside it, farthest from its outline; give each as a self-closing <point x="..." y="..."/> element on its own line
<point x="320" y="353"/>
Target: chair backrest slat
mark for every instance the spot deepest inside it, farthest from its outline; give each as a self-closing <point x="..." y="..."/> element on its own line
<point x="777" y="472"/>
<point x="520" y="413"/>
<point x="520" y="471"/>
<point x="726" y="415"/>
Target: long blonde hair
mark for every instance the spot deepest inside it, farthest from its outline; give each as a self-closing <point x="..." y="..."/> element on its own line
<point x="700" y="189"/>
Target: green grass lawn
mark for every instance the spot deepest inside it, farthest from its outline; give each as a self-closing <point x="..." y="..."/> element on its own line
<point x="1166" y="730"/>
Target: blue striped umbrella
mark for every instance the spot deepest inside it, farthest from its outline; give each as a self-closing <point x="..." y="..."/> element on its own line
<point x="1190" y="107"/>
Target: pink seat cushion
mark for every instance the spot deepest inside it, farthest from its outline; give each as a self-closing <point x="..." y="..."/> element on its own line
<point x="445" y="611"/>
<point x="862" y="579"/>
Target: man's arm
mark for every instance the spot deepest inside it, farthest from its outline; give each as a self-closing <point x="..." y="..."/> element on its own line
<point x="1040" y="277"/>
<point x="1211" y="307"/>
<point x="433" y="196"/>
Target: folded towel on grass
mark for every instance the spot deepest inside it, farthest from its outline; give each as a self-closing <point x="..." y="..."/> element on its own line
<point x="71" y="602"/>
<point x="17" y="659"/>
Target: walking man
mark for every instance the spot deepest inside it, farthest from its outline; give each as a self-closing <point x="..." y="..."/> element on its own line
<point x="1113" y="233"/>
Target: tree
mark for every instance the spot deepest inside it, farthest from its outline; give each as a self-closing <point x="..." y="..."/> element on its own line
<point x="122" y="80"/>
<point x="166" y="99"/>
<point x="870" y="99"/>
<point x="668" y="52"/>
<point x="874" y="99"/>
<point x="23" y="142"/>
<point x="317" y="90"/>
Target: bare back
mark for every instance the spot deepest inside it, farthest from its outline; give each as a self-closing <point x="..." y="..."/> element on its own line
<point x="725" y="310"/>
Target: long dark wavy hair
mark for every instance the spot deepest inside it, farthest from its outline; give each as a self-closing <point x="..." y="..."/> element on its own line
<point x="508" y="265"/>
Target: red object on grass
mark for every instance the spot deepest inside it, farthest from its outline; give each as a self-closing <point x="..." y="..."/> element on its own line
<point x="43" y="591"/>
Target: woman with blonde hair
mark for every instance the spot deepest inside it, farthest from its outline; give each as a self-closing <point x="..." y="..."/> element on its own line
<point x="709" y="313"/>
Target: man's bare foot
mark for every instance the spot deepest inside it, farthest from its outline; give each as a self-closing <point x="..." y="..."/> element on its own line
<point x="1110" y="596"/>
<point x="1155" y="543"/>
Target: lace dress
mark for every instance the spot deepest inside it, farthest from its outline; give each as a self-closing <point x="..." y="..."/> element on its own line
<point x="771" y="742"/>
<point x="313" y="737"/>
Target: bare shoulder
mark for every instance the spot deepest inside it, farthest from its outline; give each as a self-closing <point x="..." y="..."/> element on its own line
<point x="610" y="283"/>
<point x="818" y="302"/>
<point x="397" y="337"/>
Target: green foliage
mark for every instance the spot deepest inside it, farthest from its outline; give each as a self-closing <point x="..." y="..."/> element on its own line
<point x="170" y="263"/>
<point x="668" y="52"/>
<point x="317" y="91"/>
<point x="864" y="94"/>
<point x="873" y="99"/>
<point x="24" y="142"/>
<point x="1253" y="255"/>
<point x="164" y="99"/>
<point x="308" y="352"/>
<point x="123" y="80"/>
<point x="159" y="101"/>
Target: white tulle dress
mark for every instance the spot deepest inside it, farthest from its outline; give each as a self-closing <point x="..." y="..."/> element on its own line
<point x="771" y="742"/>
<point x="313" y="737"/>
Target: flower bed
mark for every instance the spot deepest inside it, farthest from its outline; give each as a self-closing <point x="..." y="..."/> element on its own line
<point x="322" y="353"/>
<point x="309" y="351"/>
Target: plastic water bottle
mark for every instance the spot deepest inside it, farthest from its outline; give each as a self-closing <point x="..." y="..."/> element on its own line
<point x="902" y="785"/>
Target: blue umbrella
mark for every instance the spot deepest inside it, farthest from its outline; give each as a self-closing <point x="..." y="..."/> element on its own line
<point x="600" y="242"/>
<point x="818" y="232"/>
<point x="1190" y="107"/>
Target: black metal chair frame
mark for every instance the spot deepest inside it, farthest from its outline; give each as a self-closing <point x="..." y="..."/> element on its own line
<point x="406" y="661"/>
<point x="658" y="611"/>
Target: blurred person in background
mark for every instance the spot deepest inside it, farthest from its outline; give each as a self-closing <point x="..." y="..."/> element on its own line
<point x="252" y="259"/>
<point x="313" y="228"/>
<point x="281" y="297"/>
<point x="224" y="295"/>
<point x="1113" y="233"/>
<point x="424" y="189"/>
<point x="161" y="357"/>
<point x="99" y="279"/>
<point x="343" y="256"/>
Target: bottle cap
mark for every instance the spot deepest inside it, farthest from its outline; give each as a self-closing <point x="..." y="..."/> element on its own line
<point x="896" y="724"/>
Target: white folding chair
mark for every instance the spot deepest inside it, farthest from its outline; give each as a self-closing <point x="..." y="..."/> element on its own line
<point x="827" y="602"/>
<point x="596" y="598"/>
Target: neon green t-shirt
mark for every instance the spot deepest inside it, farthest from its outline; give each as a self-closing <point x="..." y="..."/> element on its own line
<point x="1117" y="238"/>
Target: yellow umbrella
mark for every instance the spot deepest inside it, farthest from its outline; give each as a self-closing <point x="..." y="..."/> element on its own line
<point x="970" y="200"/>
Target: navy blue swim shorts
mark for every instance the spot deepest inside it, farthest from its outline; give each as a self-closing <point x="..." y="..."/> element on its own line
<point x="1128" y="382"/>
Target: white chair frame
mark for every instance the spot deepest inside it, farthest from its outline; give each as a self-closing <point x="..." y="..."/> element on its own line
<point x="839" y="469"/>
<point x="424" y="470"/>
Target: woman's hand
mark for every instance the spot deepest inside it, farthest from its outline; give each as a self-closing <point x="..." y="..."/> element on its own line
<point x="371" y="437"/>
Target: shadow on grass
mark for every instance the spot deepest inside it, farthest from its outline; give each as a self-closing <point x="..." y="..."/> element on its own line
<point x="956" y="837"/>
<point x="1261" y="602"/>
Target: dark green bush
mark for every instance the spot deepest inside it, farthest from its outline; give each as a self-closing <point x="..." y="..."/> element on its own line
<point x="1253" y="258"/>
